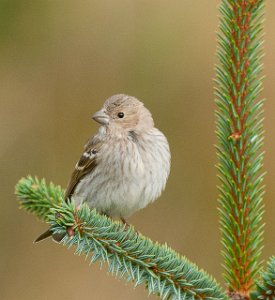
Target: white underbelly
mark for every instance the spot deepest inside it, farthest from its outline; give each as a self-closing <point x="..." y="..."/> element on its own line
<point x="125" y="183"/>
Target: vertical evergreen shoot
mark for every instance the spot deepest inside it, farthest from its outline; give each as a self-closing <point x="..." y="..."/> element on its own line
<point x="240" y="137"/>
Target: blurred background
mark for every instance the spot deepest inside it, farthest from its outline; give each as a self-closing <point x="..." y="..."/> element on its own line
<point x="59" y="61"/>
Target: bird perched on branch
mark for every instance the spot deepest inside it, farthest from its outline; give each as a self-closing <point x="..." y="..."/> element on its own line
<point x="125" y="166"/>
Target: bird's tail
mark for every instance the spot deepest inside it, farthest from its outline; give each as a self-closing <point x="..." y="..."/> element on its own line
<point x="43" y="236"/>
<point x="48" y="233"/>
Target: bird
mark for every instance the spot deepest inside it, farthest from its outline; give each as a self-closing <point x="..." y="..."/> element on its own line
<point x="124" y="166"/>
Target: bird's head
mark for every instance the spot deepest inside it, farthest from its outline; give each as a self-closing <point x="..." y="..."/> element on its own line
<point x="122" y="112"/>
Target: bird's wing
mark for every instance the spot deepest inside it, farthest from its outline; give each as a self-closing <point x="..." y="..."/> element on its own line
<point x="86" y="164"/>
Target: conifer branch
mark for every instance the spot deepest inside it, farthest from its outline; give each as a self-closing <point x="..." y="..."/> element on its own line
<point x="128" y="254"/>
<point x="266" y="288"/>
<point x="240" y="138"/>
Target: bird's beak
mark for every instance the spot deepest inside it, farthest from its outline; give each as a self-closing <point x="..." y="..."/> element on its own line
<point x="101" y="117"/>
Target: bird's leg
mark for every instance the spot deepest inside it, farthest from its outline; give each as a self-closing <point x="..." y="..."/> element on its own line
<point x="125" y="223"/>
<point x="106" y="215"/>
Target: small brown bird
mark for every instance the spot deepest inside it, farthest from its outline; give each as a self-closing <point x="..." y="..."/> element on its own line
<point x="125" y="166"/>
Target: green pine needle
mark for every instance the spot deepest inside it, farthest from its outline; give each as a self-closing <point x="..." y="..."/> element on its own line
<point x="128" y="254"/>
<point x="266" y="288"/>
<point x="37" y="197"/>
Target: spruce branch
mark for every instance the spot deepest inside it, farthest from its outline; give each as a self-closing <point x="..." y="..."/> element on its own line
<point x="239" y="123"/>
<point x="37" y="197"/>
<point x="266" y="288"/>
<point x="128" y="254"/>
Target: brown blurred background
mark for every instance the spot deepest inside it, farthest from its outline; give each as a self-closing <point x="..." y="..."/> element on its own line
<point x="59" y="61"/>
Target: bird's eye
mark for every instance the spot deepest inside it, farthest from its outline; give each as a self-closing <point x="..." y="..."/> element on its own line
<point x="120" y="115"/>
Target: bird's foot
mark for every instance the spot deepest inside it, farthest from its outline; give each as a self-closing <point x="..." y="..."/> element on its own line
<point x="125" y="223"/>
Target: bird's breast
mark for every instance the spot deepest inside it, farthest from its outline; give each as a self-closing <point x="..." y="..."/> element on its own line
<point x="129" y="174"/>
